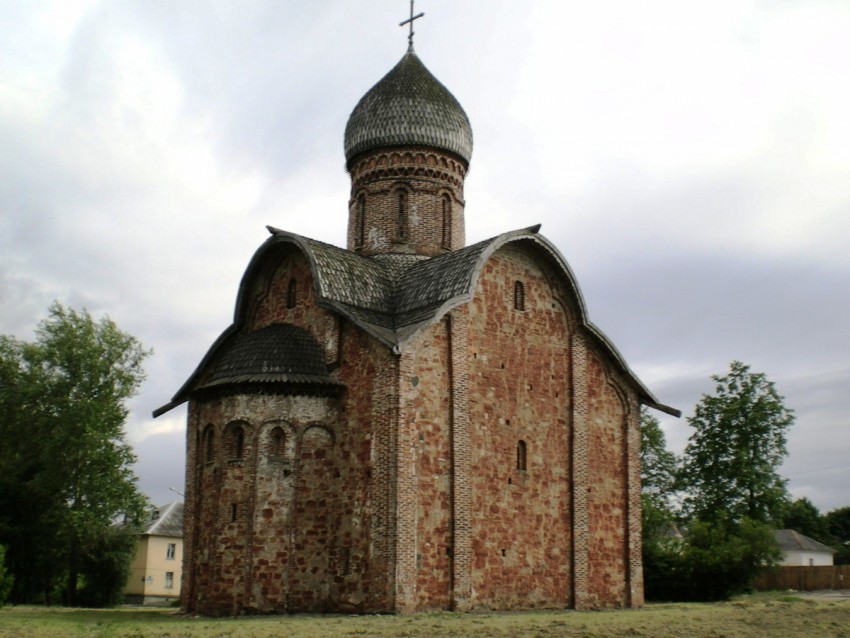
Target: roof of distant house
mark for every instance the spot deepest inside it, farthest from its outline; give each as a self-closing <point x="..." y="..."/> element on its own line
<point x="791" y="541"/>
<point x="166" y="520"/>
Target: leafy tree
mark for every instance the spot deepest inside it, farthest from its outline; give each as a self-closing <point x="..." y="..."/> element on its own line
<point x="105" y="567"/>
<point x="731" y="462"/>
<point x="722" y="560"/>
<point x="804" y="517"/>
<point x="838" y="521"/>
<point x="5" y="577"/>
<point x="658" y="474"/>
<point x="658" y="465"/>
<point x="65" y="467"/>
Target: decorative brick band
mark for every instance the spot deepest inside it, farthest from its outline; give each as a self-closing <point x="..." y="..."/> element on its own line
<point x="457" y="328"/>
<point x="580" y="426"/>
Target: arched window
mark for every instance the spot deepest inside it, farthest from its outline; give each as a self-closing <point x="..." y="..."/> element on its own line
<point x="360" y="230"/>
<point x="519" y="296"/>
<point x="292" y="293"/>
<point x="447" y="221"/>
<point x="402" y="215"/>
<point x="209" y="444"/>
<point x="521" y="463"/>
<point x="236" y="442"/>
<point x="277" y="442"/>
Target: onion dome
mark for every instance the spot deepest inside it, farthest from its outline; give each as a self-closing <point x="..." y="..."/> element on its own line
<point x="280" y="353"/>
<point x="408" y="107"/>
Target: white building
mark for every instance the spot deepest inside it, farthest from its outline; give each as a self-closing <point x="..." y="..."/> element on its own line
<point x="801" y="551"/>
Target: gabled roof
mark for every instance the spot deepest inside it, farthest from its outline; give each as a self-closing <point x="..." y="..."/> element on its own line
<point x="793" y="541"/>
<point x="395" y="297"/>
<point x="166" y="521"/>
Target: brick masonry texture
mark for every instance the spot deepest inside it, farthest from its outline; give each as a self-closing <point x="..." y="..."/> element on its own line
<point x="404" y="493"/>
<point x="470" y="443"/>
<point x="428" y="221"/>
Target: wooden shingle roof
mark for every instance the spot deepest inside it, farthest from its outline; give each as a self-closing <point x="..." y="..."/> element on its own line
<point x="391" y="297"/>
<point x="408" y="107"/>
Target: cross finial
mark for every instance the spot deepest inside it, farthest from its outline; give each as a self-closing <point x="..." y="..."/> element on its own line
<point x="410" y="22"/>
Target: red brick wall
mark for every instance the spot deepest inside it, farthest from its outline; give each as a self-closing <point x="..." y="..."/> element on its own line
<point x="519" y="389"/>
<point x="403" y="493"/>
<point x="607" y="490"/>
<point x="425" y="462"/>
<point x="314" y="525"/>
<point x="426" y="176"/>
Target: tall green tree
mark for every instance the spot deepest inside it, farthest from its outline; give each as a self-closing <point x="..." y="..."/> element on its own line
<point x="731" y="462"/>
<point x="66" y="467"/>
<point x="658" y="465"/>
<point x="838" y="521"/>
<point x="659" y="531"/>
<point x="802" y="516"/>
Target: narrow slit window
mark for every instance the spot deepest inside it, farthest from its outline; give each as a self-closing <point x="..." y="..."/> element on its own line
<point x="277" y="442"/>
<point x="521" y="456"/>
<point x="238" y="435"/>
<point x="519" y="296"/>
<point x="402" y="215"/>
<point x="292" y="293"/>
<point x="209" y="444"/>
<point x="447" y="222"/>
<point x="361" y="221"/>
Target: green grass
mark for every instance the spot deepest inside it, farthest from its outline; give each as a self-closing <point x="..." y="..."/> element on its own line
<point x="777" y="616"/>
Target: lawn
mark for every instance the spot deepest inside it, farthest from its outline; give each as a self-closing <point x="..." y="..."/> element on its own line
<point x="775" y="616"/>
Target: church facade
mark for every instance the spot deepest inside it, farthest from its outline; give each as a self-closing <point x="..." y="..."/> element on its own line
<point x="410" y="423"/>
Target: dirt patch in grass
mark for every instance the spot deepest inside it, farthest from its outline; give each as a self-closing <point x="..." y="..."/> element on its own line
<point x="779" y="616"/>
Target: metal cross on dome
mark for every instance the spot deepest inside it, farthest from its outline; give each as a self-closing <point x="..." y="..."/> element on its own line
<point x="410" y="22"/>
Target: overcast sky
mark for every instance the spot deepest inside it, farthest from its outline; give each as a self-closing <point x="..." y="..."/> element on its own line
<point x="690" y="160"/>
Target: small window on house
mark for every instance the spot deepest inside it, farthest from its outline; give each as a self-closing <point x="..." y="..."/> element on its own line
<point x="171" y="551"/>
<point x="277" y="442"/>
<point x="447" y="221"/>
<point x="360" y="230"/>
<point x="521" y="456"/>
<point x="209" y="444"/>
<point x="292" y="293"/>
<point x="169" y="580"/>
<point x="519" y="296"/>
<point x="402" y="215"/>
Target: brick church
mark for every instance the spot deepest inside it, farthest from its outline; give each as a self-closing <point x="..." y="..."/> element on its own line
<point x="409" y="423"/>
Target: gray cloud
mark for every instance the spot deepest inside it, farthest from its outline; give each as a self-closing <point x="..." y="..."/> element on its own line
<point x="698" y="187"/>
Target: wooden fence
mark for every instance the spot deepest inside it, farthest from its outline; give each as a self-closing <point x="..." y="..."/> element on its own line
<point x="805" y="578"/>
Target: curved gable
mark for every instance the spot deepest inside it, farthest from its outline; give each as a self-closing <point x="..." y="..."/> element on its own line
<point x="395" y="300"/>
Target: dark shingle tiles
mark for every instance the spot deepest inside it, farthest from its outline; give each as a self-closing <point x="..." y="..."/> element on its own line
<point x="351" y="279"/>
<point x="427" y="285"/>
<point x="408" y="107"/>
<point x="281" y="352"/>
<point x="167" y="520"/>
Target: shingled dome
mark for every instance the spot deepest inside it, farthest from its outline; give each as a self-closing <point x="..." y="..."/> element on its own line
<point x="277" y="353"/>
<point x="408" y="107"/>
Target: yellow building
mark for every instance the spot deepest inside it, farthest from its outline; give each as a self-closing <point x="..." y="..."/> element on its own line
<point x="157" y="569"/>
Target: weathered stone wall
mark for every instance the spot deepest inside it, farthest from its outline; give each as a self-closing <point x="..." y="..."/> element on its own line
<point x="493" y="464"/>
<point x="519" y="391"/>
<point x="400" y="199"/>
<point x="284" y="292"/>
<point x="607" y="489"/>
<point x="301" y="517"/>
<point x="425" y="474"/>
